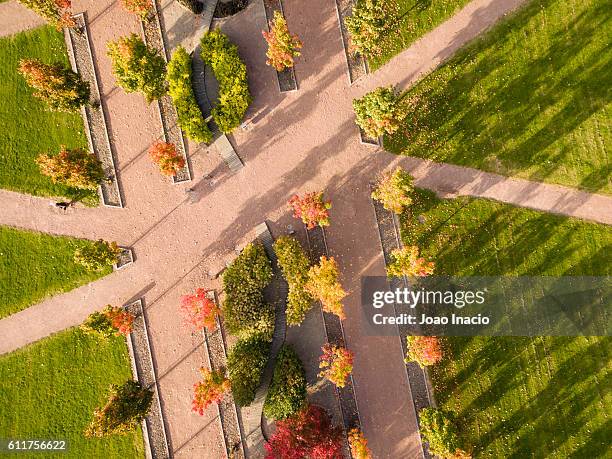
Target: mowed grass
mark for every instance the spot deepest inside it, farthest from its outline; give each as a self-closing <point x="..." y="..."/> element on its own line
<point x="529" y="99"/>
<point x="519" y="397"/>
<point x="36" y="265"/>
<point x="49" y="390"/>
<point x="416" y="18"/>
<point x="28" y="127"/>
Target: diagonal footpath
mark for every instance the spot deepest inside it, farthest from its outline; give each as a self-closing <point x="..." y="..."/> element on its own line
<point x="15" y="18"/>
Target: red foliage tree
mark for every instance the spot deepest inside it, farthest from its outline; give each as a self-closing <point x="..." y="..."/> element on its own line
<point x="211" y="389"/>
<point x="120" y="319"/>
<point x="311" y="209"/>
<point x="199" y="310"/>
<point x="424" y="350"/>
<point x="308" y="434"/>
<point x="166" y="157"/>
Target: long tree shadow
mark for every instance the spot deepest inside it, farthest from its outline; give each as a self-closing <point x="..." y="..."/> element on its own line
<point x="486" y="111"/>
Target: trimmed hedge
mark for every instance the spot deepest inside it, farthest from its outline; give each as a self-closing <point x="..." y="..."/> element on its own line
<point x="287" y="393"/>
<point x="180" y="87"/>
<point x="230" y="72"/>
<point x="245" y="365"/>
<point x="295" y="265"/>
<point x="244" y="309"/>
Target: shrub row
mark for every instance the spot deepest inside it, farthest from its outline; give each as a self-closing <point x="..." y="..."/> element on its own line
<point x="295" y="265"/>
<point x="180" y="88"/>
<point x="230" y="72"/>
<point x="244" y="309"/>
<point x="245" y="363"/>
<point x="287" y="393"/>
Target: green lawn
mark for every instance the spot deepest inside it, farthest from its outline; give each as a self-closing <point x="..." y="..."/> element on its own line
<point x="529" y="99"/>
<point x="519" y="397"/>
<point x="35" y="265"/>
<point x="49" y="390"/>
<point x="28" y="128"/>
<point x="417" y="17"/>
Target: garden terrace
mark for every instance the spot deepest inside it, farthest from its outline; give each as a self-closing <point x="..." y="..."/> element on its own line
<point x="29" y="128"/>
<point x="62" y="379"/>
<point x="528" y="99"/>
<point x="517" y="395"/>
<point x="37" y="265"/>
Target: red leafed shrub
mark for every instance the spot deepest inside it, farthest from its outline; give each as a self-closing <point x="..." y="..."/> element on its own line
<point x="308" y="434"/>
<point x="359" y="445"/>
<point x="282" y="45"/>
<point x="121" y="320"/>
<point x="200" y="311"/>
<point x="424" y="350"/>
<point x="311" y="208"/>
<point x="336" y="364"/>
<point x="140" y="8"/>
<point x="166" y="157"/>
<point x="211" y="389"/>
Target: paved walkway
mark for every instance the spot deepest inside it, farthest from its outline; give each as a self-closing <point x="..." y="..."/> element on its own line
<point x="15" y="18"/>
<point x="295" y="142"/>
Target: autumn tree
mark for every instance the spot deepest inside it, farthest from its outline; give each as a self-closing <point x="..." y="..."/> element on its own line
<point x="379" y="112"/>
<point x="424" y="350"/>
<point x="56" y="12"/>
<point x="439" y="431"/>
<point x="166" y="157"/>
<point x="370" y="24"/>
<point x="394" y="190"/>
<point x="312" y="209"/>
<point x="324" y="285"/>
<point x="308" y="434"/>
<point x="138" y="67"/>
<point x="407" y="262"/>
<point x="211" y="389"/>
<point x="336" y="364"/>
<point x="140" y="8"/>
<point x="200" y="311"/>
<point x="58" y="86"/>
<point x="72" y="167"/>
<point x="358" y="444"/>
<point x="112" y="320"/>
<point x="126" y="408"/>
<point x="98" y="255"/>
<point x="282" y="45"/>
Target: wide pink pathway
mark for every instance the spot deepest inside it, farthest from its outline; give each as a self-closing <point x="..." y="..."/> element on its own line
<point x="297" y="142"/>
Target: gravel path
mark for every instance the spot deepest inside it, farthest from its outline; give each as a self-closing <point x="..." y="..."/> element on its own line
<point x="295" y="142"/>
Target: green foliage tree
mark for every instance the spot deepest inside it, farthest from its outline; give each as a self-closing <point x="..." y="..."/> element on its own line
<point x="75" y="168"/>
<point x="126" y="408"/>
<point x="98" y="255"/>
<point x="58" y="86"/>
<point x="234" y="97"/>
<point x="379" y="112"/>
<point x="287" y="393"/>
<point x="295" y="265"/>
<point x="138" y="67"/>
<point x="181" y="90"/>
<point x="394" y="190"/>
<point x="438" y="430"/>
<point x="370" y="24"/>
<point x="56" y="12"/>
<point x="244" y="309"/>
<point x="245" y="365"/>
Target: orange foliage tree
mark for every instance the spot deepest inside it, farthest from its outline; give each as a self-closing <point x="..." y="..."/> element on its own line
<point x="406" y="262"/>
<point x="76" y="168"/>
<point x="166" y="157"/>
<point x="424" y="350"/>
<point x="336" y="364"/>
<point x="312" y="209"/>
<point x="211" y="389"/>
<point x="199" y="310"/>
<point x="282" y="45"/>
<point x="359" y="444"/>
<point x="140" y="8"/>
<point x="56" y="12"/>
